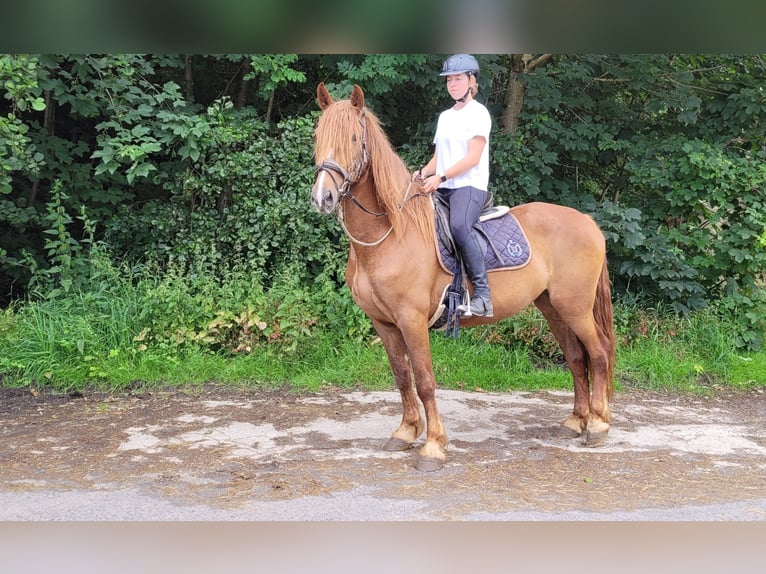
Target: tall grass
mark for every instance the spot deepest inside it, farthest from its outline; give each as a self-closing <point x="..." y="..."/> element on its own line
<point x="71" y="340"/>
<point x="661" y="350"/>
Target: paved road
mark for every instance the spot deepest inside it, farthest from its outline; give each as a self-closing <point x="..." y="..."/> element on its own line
<point x="225" y="454"/>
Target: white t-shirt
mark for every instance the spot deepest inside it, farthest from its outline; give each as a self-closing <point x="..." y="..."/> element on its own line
<point x="453" y="131"/>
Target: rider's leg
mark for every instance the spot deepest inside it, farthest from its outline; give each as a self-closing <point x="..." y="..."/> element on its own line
<point x="465" y="205"/>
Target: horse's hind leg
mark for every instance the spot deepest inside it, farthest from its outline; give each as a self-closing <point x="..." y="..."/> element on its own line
<point x="597" y="369"/>
<point x="574" y="353"/>
<point x="587" y="358"/>
<point x="412" y="424"/>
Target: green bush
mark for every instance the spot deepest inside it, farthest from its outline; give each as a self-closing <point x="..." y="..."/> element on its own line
<point x="243" y="204"/>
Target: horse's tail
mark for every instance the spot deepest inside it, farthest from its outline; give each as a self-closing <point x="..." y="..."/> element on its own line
<point x="604" y="316"/>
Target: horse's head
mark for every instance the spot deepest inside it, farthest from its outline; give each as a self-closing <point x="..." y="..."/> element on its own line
<point x="340" y="148"/>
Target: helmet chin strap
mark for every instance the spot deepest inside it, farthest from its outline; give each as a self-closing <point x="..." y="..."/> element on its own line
<point x="462" y="100"/>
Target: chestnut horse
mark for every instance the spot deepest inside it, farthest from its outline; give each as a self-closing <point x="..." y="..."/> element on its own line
<point x="396" y="278"/>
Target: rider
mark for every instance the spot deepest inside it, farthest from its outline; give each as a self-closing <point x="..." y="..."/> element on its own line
<point x="459" y="171"/>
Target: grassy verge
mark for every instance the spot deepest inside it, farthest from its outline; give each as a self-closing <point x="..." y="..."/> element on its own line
<point x="469" y="363"/>
<point x="145" y="333"/>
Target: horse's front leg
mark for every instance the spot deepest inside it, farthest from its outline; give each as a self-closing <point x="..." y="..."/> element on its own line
<point x="412" y="425"/>
<point x="432" y="455"/>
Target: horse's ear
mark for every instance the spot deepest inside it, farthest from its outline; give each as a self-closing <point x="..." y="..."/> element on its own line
<point x="357" y="97"/>
<point x="323" y="97"/>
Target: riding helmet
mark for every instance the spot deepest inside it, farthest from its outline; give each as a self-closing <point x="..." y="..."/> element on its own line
<point x="460" y="64"/>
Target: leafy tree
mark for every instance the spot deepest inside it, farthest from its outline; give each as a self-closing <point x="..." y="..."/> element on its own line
<point x="648" y="134"/>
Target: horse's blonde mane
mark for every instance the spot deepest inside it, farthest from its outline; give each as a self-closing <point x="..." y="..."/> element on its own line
<point x="338" y="126"/>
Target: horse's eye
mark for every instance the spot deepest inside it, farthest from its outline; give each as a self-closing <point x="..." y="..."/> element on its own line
<point x="353" y="138"/>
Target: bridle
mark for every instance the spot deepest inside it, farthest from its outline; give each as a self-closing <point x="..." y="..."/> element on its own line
<point x="333" y="168"/>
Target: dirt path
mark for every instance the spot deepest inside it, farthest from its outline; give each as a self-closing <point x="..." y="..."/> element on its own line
<point x="222" y="453"/>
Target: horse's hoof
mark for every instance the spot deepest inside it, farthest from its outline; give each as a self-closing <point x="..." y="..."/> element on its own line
<point x="429" y="464"/>
<point x="568" y="432"/>
<point x="572" y="427"/>
<point x="595" y="438"/>
<point x="596" y="431"/>
<point x="396" y="445"/>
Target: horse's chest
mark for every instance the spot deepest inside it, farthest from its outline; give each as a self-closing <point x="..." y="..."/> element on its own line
<point x="372" y="293"/>
<point x="363" y="290"/>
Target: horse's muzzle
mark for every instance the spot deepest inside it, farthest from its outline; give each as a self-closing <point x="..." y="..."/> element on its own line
<point x="323" y="199"/>
<point x="325" y="193"/>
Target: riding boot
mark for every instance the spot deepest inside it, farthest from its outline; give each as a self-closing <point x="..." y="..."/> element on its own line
<point x="476" y="269"/>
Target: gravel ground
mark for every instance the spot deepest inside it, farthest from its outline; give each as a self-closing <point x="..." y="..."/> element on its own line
<point x="228" y="454"/>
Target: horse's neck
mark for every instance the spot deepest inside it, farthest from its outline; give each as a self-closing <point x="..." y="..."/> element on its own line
<point x="392" y="263"/>
<point x="374" y="239"/>
<point x="363" y="226"/>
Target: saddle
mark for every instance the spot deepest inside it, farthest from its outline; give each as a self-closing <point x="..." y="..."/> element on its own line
<point x="505" y="247"/>
<point x="505" y="244"/>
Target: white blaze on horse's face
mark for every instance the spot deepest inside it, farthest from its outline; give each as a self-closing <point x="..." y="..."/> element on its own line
<point x="325" y="192"/>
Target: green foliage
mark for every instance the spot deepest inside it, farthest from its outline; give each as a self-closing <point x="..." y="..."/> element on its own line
<point x="709" y="208"/>
<point x="92" y="321"/>
<point x="527" y="333"/>
<point x="404" y="90"/>
<point x="68" y="259"/>
<point x="647" y="264"/>
<point x="142" y="119"/>
<point x="666" y="153"/>
<point x="18" y="80"/>
<point x="236" y="316"/>
<point x="745" y="312"/>
<point x="17" y="152"/>
<point x="274" y="70"/>
<point x="518" y="171"/>
<point x="200" y="166"/>
<point x="382" y="73"/>
<point x="242" y="204"/>
<point x="124" y="133"/>
<point x="19" y="76"/>
<point x="133" y="318"/>
<point x="137" y="324"/>
<point x="79" y="325"/>
<point x="659" y="349"/>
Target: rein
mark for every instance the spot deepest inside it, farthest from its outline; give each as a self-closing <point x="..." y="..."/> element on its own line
<point x="407" y="197"/>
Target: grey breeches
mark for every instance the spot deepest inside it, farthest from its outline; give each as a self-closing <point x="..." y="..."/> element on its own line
<point x="465" y="205"/>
